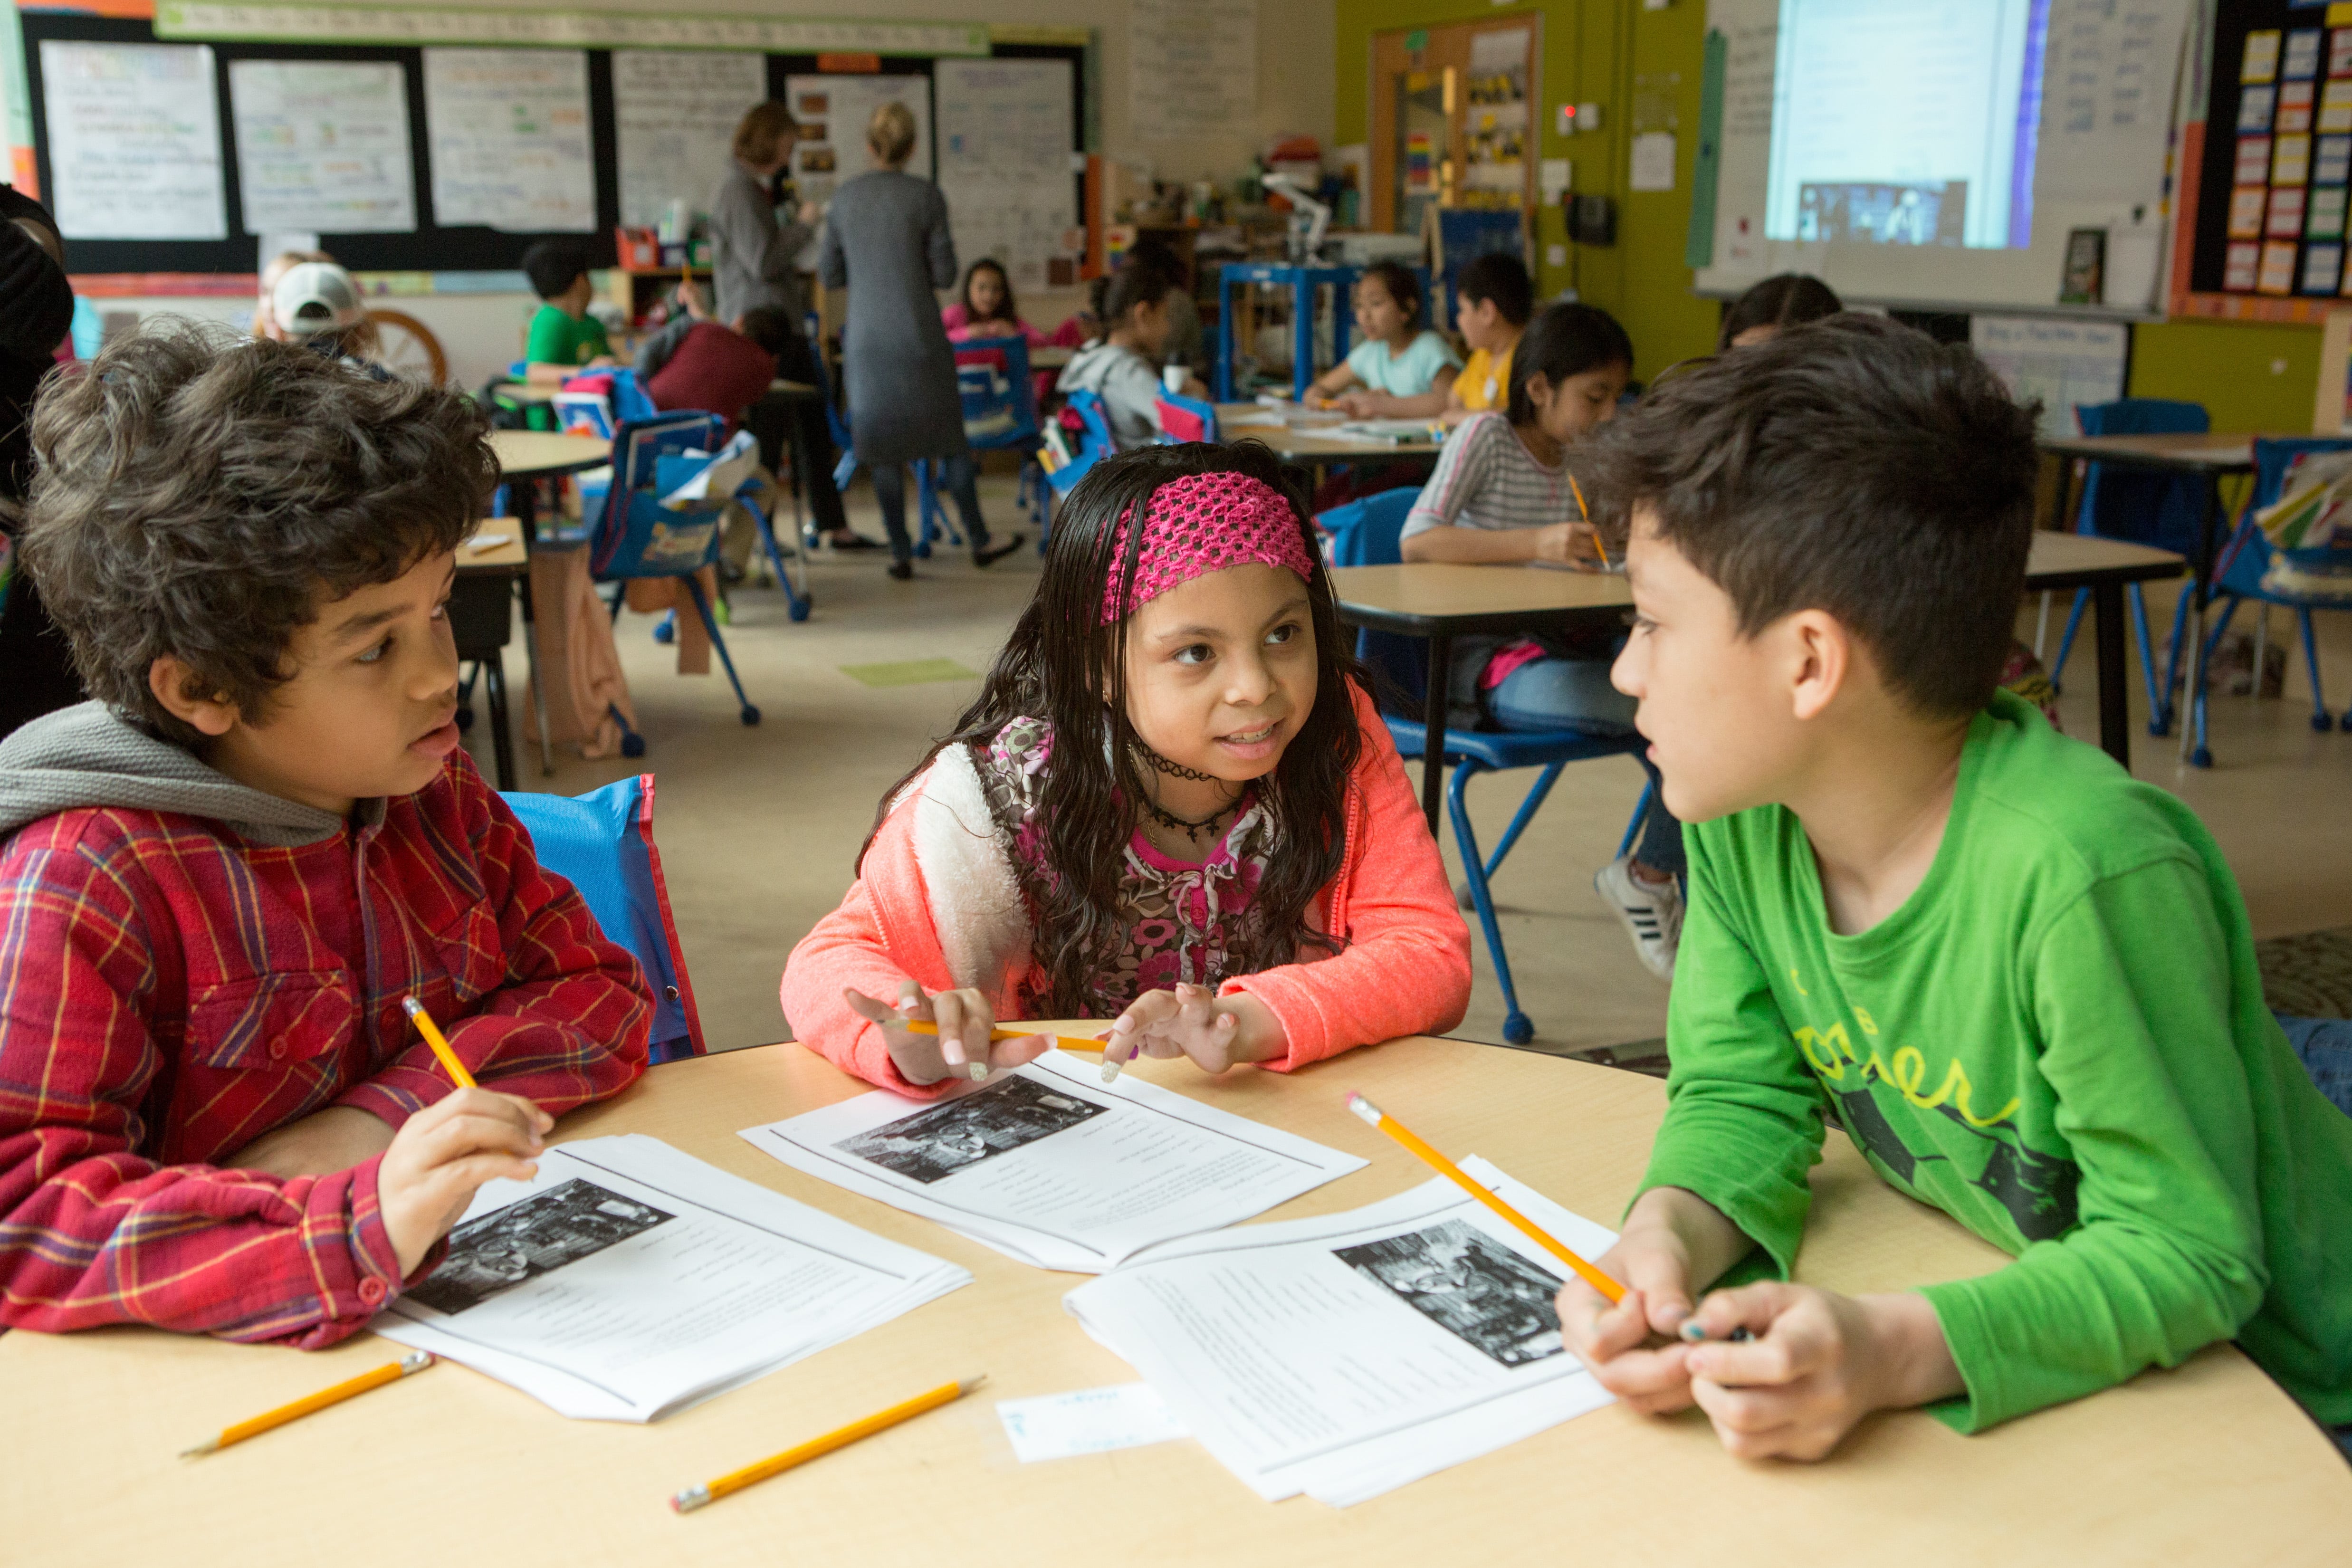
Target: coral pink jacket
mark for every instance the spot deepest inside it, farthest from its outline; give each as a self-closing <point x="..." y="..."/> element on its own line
<point x="936" y="901"/>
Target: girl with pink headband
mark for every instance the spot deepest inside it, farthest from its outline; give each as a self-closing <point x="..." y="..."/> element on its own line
<point x="1173" y="806"/>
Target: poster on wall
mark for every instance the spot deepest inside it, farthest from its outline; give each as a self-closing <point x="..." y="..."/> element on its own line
<point x="1192" y="69"/>
<point x="832" y="112"/>
<point x="133" y="141"/>
<point x="676" y="111"/>
<point x="1005" y="139"/>
<point x="322" y="146"/>
<point x="510" y="140"/>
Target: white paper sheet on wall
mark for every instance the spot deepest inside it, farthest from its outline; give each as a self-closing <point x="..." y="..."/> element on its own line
<point x="1192" y="69"/>
<point x="676" y="112"/>
<point x="2062" y="363"/>
<point x="134" y="141"/>
<point x="1004" y="136"/>
<point x="2106" y="98"/>
<point x="322" y="146"/>
<point x="510" y="140"/>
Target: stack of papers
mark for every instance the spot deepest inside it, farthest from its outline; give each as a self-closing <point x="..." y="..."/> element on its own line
<point x="1345" y="1355"/>
<point x="1050" y="1165"/>
<point x="1396" y="432"/>
<point x="628" y="1281"/>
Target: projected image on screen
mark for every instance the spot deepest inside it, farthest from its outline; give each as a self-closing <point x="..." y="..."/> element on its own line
<point x="1905" y="124"/>
<point x="1930" y="212"/>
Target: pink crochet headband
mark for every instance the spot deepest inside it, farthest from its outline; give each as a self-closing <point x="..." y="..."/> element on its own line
<point x="1204" y="523"/>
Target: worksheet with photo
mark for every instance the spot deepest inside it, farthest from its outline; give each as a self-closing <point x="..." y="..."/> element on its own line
<point x="1048" y="1164"/>
<point x="1345" y="1355"/>
<point x="628" y="1281"/>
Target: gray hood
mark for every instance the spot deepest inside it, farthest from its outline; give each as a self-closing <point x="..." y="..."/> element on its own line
<point x="86" y="756"/>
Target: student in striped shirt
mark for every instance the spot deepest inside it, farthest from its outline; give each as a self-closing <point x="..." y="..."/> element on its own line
<point x="1502" y="493"/>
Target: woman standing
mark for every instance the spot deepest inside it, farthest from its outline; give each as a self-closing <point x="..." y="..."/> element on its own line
<point x="751" y="269"/>
<point x="885" y="239"/>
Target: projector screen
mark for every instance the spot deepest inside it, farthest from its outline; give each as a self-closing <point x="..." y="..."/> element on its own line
<point x="1896" y="125"/>
<point x="1936" y="153"/>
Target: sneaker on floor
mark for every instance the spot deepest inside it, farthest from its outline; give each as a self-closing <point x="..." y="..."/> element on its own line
<point x="1653" y="915"/>
<point x="902" y="570"/>
<point x="847" y="541"/>
<point x="990" y="556"/>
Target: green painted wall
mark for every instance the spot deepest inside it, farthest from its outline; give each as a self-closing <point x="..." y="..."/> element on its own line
<point x="1594" y="49"/>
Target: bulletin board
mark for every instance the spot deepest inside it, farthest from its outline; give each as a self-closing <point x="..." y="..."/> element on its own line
<point x="385" y="236"/>
<point x="2266" y="175"/>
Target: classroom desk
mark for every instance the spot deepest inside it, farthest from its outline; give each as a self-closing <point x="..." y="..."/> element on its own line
<point x="1311" y="445"/>
<point x="2212" y="457"/>
<point x="527" y="455"/>
<point x="481" y="608"/>
<point x="1049" y="357"/>
<point x="2210" y="1462"/>
<point x="1441" y="601"/>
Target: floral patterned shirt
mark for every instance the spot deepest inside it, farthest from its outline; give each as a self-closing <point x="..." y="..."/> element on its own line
<point x="1180" y="917"/>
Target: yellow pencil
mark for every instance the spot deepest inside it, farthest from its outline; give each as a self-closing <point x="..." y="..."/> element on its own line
<point x="433" y="1037"/>
<point x="1016" y="1032"/>
<point x="695" y="1497"/>
<point x="1455" y="1173"/>
<point x="390" y="1372"/>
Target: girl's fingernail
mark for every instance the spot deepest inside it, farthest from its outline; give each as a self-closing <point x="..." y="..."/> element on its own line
<point x="1691" y="1330"/>
<point x="979" y="1070"/>
<point x="1110" y="1070"/>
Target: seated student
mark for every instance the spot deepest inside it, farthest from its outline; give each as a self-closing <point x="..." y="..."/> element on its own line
<point x="563" y="336"/>
<point x="986" y="308"/>
<point x="2022" y="982"/>
<point x="264" y="305"/>
<point x="1502" y="493"/>
<point x="37" y="307"/>
<point x="1123" y="366"/>
<point x="219" y="878"/>
<point x="1172" y="806"/>
<point x="317" y="304"/>
<point x="1494" y="297"/>
<point x="1771" y="308"/>
<point x="1403" y="369"/>
<point x="695" y="362"/>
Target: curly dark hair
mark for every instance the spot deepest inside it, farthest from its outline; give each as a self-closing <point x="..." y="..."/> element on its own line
<point x="1852" y="466"/>
<point x="202" y="495"/>
<point x="1061" y="664"/>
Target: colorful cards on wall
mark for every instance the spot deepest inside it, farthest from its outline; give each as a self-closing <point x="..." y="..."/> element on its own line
<point x="2293" y="165"/>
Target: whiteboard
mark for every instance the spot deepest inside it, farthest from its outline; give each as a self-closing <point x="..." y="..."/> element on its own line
<point x="1004" y="161"/>
<point x="2106" y="120"/>
<point x="2062" y="363"/>
<point x="508" y="129"/>
<point x="322" y="147"/>
<point x="676" y="112"/>
<point x="134" y="141"/>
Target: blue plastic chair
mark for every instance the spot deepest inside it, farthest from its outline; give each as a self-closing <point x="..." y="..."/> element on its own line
<point x="1365" y="533"/>
<point x="635" y="536"/>
<point x="1183" y="418"/>
<point x="603" y="844"/>
<point x="2238" y="576"/>
<point x="1095" y="442"/>
<point x="2141" y="508"/>
<point x="1000" y="414"/>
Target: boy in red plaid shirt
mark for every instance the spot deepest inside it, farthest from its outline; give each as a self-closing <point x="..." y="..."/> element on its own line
<point x="218" y="879"/>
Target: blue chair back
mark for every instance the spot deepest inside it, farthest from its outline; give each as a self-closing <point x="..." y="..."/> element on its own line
<point x="2162" y="510"/>
<point x="635" y="535"/>
<point x="1095" y="442"/>
<point x="1368" y="532"/>
<point x="2247" y="554"/>
<point x="1000" y="395"/>
<point x="603" y="844"/>
<point x="1183" y="418"/>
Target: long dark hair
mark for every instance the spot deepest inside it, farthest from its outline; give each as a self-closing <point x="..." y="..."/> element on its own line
<point x="1010" y="310"/>
<point x="1564" y="341"/>
<point x="1786" y="300"/>
<point x="1061" y="664"/>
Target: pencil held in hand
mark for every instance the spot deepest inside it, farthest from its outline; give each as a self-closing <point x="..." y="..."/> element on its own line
<point x="391" y="1372"/>
<point x="1452" y="1172"/>
<point x="440" y="1044"/>
<point x="1015" y="1032"/>
<point x="695" y="1497"/>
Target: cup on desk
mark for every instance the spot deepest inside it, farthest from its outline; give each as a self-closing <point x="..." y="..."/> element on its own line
<point x="1174" y="377"/>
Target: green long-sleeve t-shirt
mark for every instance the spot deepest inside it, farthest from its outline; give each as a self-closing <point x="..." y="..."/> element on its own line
<point x="2060" y="1040"/>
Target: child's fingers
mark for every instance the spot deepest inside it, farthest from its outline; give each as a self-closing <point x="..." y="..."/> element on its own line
<point x="1595" y="1330"/>
<point x="1130" y="1032"/>
<point x="1015" y="1053"/>
<point x="871" y="1009"/>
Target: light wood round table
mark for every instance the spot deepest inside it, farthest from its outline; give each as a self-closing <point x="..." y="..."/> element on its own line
<point x="528" y="455"/>
<point x="2209" y="1463"/>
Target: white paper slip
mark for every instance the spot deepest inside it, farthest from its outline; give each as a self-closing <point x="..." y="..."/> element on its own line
<point x="1051" y="1165"/>
<point x="1345" y="1355"/>
<point x="1090" y="1421"/>
<point x="628" y="1281"/>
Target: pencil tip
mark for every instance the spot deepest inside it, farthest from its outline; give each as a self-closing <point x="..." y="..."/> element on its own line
<point x="210" y="1445"/>
<point x="969" y="1384"/>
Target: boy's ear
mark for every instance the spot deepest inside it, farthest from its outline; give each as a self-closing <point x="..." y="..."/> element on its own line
<point x="178" y="688"/>
<point x="1822" y="655"/>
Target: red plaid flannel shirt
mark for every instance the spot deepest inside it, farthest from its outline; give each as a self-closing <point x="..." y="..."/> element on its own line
<point x="169" y="992"/>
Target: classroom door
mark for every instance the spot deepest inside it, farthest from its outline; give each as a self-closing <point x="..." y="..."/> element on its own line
<point x="1455" y="113"/>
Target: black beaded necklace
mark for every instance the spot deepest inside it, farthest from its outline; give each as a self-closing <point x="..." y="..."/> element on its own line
<point x="1161" y="764"/>
<point x="1169" y="819"/>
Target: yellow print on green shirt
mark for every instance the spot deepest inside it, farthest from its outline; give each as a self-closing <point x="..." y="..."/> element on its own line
<point x="1830" y="1052"/>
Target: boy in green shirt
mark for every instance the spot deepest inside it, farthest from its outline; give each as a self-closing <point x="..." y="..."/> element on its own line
<point x="2021" y="982"/>
<point x="564" y="338"/>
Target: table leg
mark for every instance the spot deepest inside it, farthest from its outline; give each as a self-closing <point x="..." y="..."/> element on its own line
<point x="525" y="493"/>
<point x="2193" y="749"/>
<point x="2107" y="626"/>
<point x="494" y="698"/>
<point x="1433" y="724"/>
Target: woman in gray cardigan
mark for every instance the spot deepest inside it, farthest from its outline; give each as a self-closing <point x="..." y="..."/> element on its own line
<point x="885" y="239"/>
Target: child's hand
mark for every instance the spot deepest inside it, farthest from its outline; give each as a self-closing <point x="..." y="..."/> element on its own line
<point x="1616" y="1343"/>
<point x="1819" y="1364"/>
<point x="1571" y="545"/>
<point x="334" y="1139"/>
<point x="443" y="1153"/>
<point x="960" y="1049"/>
<point x="1193" y="1021"/>
<point x="689" y="299"/>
